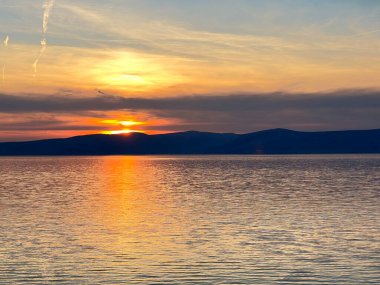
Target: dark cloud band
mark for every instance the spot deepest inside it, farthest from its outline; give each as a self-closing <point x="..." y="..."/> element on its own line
<point x="346" y="109"/>
<point x="338" y="100"/>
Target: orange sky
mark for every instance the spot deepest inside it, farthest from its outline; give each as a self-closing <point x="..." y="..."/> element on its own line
<point x="126" y="50"/>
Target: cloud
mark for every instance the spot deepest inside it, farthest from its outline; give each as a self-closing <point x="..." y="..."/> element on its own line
<point x="337" y="100"/>
<point x="344" y="109"/>
<point x="45" y="125"/>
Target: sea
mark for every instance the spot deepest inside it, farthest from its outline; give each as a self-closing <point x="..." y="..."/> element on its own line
<point x="308" y="220"/>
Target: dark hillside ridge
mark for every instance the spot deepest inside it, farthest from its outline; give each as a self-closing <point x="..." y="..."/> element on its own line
<point x="276" y="141"/>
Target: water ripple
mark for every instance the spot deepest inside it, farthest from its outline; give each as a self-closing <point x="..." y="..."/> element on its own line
<point x="190" y="220"/>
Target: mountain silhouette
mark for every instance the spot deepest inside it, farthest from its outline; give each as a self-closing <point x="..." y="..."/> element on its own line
<point x="275" y="141"/>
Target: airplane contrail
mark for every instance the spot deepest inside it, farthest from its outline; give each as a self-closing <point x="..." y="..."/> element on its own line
<point x="6" y="41"/>
<point x="42" y="50"/>
<point x="47" y="6"/>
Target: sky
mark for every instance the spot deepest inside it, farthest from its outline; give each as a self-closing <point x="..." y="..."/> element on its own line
<point x="157" y="66"/>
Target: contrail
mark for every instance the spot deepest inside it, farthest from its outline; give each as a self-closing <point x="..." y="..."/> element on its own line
<point x="6" y="41"/>
<point x="42" y="50"/>
<point x="47" y="6"/>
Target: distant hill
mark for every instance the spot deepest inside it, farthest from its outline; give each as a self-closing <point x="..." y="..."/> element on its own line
<point x="276" y="141"/>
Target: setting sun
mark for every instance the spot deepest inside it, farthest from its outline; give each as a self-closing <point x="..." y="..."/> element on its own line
<point x="122" y="132"/>
<point x="122" y="124"/>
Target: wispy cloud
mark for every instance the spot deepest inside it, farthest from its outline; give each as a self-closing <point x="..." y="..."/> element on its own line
<point x="323" y="54"/>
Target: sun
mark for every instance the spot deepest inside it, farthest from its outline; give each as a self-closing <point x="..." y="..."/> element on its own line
<point x="125" y="126"/>
<point x="121" y="132"/>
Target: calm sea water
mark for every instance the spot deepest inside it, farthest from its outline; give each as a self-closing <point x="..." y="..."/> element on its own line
<point x="190" y="220"/>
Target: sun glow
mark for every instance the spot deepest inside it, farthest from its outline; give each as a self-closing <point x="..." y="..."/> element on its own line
<point x="121" y="132"/>
<point x="125" y="125"/>
<point x="122" y="123"/>
<point x="135" y="72"/>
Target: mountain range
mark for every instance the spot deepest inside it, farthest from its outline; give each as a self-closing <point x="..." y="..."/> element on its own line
<point x="274" y="141"/>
